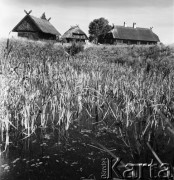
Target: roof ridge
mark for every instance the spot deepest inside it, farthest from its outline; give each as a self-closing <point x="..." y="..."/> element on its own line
<point x="73" y="27"/>
<point x="40" y="18"/>
<point x="131" y="27"/>
<point x="142" y="28"/>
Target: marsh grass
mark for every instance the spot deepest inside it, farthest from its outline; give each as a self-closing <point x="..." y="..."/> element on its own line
<point x="127" y="90"/>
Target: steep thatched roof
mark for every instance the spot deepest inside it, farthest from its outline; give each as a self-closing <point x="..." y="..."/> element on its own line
<point x="42" y="25"/>
<point x="130" y="33"/>
<point x="75" y="33"/>
<point x="45" y="26"/>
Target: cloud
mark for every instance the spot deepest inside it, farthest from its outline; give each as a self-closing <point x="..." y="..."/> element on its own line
<point x="95" y="3"/>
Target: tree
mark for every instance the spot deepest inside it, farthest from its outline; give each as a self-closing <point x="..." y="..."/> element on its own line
<point x="98" y="27"/>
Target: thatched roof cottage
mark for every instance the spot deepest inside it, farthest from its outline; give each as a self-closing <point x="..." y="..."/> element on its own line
<point x="74" y="34"/>
<point x="129" y="35"/>
<point x="36" y="28"/>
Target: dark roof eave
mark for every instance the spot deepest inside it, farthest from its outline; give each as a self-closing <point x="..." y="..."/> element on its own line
<point x="72" y="38"/>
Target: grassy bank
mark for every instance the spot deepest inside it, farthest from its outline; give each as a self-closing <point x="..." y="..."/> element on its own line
<point x="126" y="90"/>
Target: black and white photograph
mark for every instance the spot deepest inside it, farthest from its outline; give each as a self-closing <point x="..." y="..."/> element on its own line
<point x="86" y="89"/>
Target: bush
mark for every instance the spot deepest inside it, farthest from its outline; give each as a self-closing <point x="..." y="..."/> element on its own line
<point x="75" y="48"/>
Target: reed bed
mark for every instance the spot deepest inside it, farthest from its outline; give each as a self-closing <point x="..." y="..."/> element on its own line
<point x="128" y="90"/>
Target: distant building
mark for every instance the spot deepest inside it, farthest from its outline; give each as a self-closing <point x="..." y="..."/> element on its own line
<point x="74" y="34"/>
<point x="129" y="35"/>
<point x="36" y="28"/>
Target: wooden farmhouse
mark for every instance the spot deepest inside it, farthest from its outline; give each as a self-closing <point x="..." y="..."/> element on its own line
<point x="129" y="35"/>
<point x="74" y="34"/>
<point x="36" y="28"/>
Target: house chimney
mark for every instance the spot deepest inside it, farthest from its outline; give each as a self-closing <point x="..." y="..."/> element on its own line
<point x="125" y="25"/>
<point x="134" y="25"/>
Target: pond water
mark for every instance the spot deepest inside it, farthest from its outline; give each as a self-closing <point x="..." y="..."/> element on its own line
<point x="47" y="156"/>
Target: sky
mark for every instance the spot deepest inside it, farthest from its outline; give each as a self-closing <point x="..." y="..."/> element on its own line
<point x="158" y="14"/>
